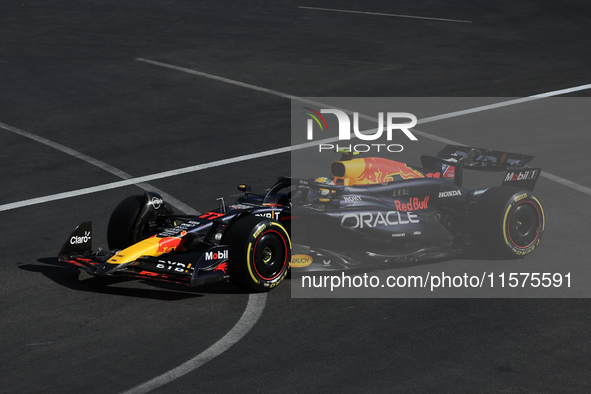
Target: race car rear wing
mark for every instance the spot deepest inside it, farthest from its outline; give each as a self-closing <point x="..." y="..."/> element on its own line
<point x="455" y="158"/>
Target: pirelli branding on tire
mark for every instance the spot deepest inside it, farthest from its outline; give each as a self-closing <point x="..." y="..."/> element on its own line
<point x="261" y="252"/>
<point x="508" y="222"/>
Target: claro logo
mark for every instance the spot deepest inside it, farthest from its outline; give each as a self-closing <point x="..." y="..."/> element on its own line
<point x="370" y="220"/>
<point x="76" y="240"/>
<point x="392" y="123"/>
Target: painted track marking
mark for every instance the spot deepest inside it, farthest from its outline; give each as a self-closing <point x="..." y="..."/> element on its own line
<point x="97" y="163"/>
<point x="253" y="311"/>
<point x="555" y="178"/>
<point x="256" y="302"/>
<point x="138" y="180"/>
<point x="383" y="14"/>
<point x="147" y="178"/>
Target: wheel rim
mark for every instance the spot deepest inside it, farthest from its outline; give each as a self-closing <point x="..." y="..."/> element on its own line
<point x="524" y="225"/>
<point x="269" y="255"/>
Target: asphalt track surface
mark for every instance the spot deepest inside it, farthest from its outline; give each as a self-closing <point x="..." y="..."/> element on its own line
<point x="69" y="73"/>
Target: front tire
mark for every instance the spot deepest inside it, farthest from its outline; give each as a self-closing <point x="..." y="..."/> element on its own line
<point x="122" y="221"/>
<point x="508" y="222"/>
<point x="259" y="253"/>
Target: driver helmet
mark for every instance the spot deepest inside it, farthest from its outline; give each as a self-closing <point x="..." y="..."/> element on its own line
<point x="324" y="180"/>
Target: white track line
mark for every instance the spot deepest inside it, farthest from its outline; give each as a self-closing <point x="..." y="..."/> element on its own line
<point x="256" y="302"/>
<point x="166" y="174"/>
<point x="503" y="104"/>
<point x="253" y="311"/>
<point x="383" y="14"/>
<point x="566" y="182"/>
<point x="139" y="180"/>
<point x="229" y="81"/>
<point x="553" y="93"/>
<point x="97" y="163"/>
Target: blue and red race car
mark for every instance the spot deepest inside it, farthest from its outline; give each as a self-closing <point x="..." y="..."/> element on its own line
<point x="371" y="211"/>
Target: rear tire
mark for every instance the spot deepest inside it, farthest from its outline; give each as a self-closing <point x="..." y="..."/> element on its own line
<point x="259" y="253"/>
<point x="123" y="218"/>
<point x="507" y="222"/>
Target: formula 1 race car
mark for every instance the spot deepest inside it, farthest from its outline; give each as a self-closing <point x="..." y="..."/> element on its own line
<point x="372" y="211"/>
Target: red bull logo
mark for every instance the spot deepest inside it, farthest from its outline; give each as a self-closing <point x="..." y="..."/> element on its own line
<point x="380" y="170"/>
<point x="413" y="204"/>
<point x="222" y="267"/>
<point x="169" y="244"/>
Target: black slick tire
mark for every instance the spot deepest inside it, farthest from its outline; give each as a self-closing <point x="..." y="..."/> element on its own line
<point x="123" y="218"/>
<point x="507" y="222"/>
<point x="259" y="253"/>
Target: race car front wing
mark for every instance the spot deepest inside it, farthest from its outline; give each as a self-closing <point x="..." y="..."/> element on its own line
<point x="77" y="251"/>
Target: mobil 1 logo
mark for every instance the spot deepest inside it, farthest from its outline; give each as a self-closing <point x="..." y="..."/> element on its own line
<point x="525" y="178"/>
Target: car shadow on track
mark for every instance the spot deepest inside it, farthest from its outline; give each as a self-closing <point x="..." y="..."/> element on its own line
<point x="208" y="288"/>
